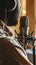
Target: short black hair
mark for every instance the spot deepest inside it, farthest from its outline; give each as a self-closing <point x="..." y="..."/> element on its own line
<point x="11" y="16"/>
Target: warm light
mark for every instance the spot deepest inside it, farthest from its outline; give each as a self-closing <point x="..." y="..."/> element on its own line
<point x="35" y="8"/>
<point x="24" y="12"/>
<point x="23" y="5"/>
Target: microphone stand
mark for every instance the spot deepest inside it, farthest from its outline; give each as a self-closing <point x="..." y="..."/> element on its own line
<point x="32" y="39"/>
<point x="33" y="52"/>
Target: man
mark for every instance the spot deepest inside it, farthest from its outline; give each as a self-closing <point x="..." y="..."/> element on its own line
<point x="11" y="52"/>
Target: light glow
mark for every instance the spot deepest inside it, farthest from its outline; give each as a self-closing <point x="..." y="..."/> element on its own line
<point x="24" y="12"/>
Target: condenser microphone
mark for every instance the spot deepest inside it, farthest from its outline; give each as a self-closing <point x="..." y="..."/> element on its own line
<point x="24" y="21"/>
